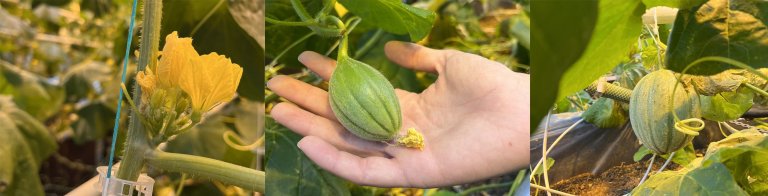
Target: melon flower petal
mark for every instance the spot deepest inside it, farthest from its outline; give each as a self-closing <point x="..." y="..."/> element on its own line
<point x="211" y="80"/>
<point x="148" y="82"/>
<point x="177" y="55"/>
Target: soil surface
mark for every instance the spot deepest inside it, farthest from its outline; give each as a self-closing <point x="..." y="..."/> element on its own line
<point x="618" y="180"/>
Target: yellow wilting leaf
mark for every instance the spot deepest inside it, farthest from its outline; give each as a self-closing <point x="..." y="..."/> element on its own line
<point x="177" y="53"/>
<point x="210" y="80"/>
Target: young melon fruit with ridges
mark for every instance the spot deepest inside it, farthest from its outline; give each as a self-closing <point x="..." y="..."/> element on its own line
<point x="649" y="111"/>
<point x="364" y="101"/>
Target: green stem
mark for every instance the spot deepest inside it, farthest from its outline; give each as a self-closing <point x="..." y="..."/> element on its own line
<point x="756" y="89"/>
<point x="333" y="20"/>
<point x="343" y="48"/>
<point x="181" y="184"/>
<point x="207" y="16"/>
<point x="320" y="29"/>
<point x="274" y="61"/>
<point x="517" y="182"/>
<point x="243" y="177"/>
<point x="301" y="11"/>
<point x="290" y="23"/>
<point x="369" y="43"/>
<point x="150" y="36"/>
<point x="344" y="45"/>
<point x="137" y="142"/>
<point x="327" y="7"/>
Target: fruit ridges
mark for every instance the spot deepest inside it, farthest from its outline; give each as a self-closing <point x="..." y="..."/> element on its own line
<point x="650" y="111"/>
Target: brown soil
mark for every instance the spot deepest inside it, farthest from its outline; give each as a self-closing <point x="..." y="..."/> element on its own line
<point x="618" y="180"/>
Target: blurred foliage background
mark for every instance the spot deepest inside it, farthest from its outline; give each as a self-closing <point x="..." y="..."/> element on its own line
<point x="60" y="65"/>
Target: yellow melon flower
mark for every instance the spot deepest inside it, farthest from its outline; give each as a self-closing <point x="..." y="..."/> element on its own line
<point x="148" y="82"/>
<point x="178" y="54"/>
<point x="212" y="79"/>
<point x="208" y="80"/>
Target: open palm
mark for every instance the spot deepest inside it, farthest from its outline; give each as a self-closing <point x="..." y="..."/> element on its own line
<point x="475" y="121"/>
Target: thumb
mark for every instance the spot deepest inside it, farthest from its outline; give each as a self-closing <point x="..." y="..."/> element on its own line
<point x="417" y="57"/>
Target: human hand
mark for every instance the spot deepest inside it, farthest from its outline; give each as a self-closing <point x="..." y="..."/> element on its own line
<point x="474" y="118"/>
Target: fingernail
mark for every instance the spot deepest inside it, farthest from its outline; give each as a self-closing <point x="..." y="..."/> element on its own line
<point x="271" y="82"/>
<point x="304" y="55"/>
<point x="301" y="143"/>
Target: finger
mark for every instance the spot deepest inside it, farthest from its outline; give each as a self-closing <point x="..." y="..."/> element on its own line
<point x="414" y="56"/>
<point x="305" y="95"/>
<point x="322" y="65"/>
<point x="308" y="124"/>
<point x="376" y="171"/>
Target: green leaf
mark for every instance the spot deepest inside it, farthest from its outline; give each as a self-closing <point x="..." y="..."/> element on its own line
<point x="605" y="113"/>
<point x="290" y="172"/>
<point x="562" y="29"/>
<point x="727" y="105"/>
<point x="206" y="139"/>
<point x="629" y="74"/>
<point x="714" y="179"/>
<point x="641" y="153"/>
<point x="93" y="122"/>
<point x="32" y="93"/>
<point x="540" y="170"/>
<point x="393" y="16"/>
<point x="737" y="31"/>
<point x="400" y="77"/>
<point x="682" y="4"/>
<point x="745" y="153"/>
<point x="78" y="80"/>
<point x="684" y="156"/>
<point x="220" y="34"/>
<point x="280" y="37"/>
<point x="26" y="143"/>
<point x="617" y="28"/>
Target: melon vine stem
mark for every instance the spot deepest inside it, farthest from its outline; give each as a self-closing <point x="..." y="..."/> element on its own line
<point x="243" y="177"/>
<point x="612" y="91"/>
<point x="137" y="143"/>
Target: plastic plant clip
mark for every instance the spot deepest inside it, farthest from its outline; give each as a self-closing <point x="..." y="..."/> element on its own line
<point x="119" y="187"/>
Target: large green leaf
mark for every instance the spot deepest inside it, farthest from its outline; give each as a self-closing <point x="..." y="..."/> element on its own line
<point x="393" y="16"/>
<point x="25" y="144"/>
<point x="618" y="27"/>
<point x="93" y="122"/>
<point x="290" y="172"/>
<point x="736" y="165"/>
<point x="727" y="105"/>
<point x="745" y="153"/>
<point x="735" y="29"/>
<point x="574" y="43"/>
<point x="714" y="179"/>
<point x="31" y="92"/>
<point x="221" y="34"/>
<point x="683" y="4"/>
